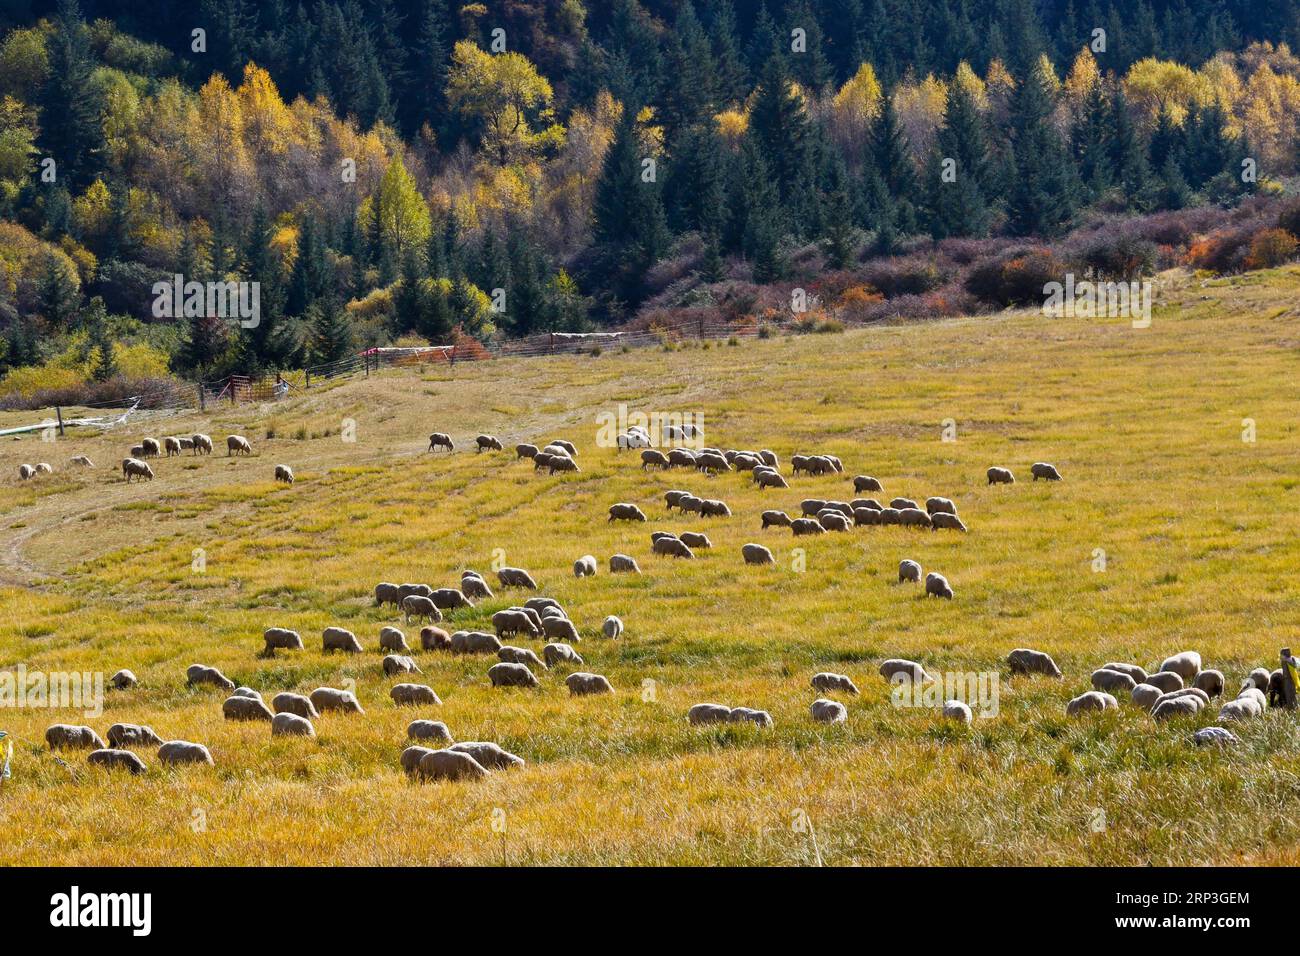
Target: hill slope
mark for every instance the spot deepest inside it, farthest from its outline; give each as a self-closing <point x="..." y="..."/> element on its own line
<point x="1199" y="531"/>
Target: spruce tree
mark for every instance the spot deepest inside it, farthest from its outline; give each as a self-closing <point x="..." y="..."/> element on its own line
<point x="891" y="162"/>
<point x="331" y="331"/>
<point x="1042" y="193"/>
<point x="58" y="297"/>
<point x="958" y="178"/>
<point x="71" y="133"/>
<point x="1126" y="153"/>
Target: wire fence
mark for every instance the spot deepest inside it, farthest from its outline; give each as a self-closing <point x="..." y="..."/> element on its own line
<point x="161" y="397"/>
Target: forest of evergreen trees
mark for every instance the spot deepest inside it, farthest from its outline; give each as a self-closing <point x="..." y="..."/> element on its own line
<point x="399" y="171"/>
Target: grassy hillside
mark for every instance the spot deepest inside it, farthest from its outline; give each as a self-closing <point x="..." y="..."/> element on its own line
<point x="1199" y="529"/>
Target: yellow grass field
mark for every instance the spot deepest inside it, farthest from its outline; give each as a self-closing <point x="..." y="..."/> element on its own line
<point x="1200" y="532"/>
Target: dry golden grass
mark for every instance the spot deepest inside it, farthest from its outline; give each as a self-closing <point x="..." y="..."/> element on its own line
<point x="1199" y="528"/>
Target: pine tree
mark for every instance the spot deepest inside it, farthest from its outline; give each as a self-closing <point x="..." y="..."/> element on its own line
<point x="1126" y="153"/>
<point x="71" y="133"/>
<point x="310" y="278"/>
<point x="331" y="331"/>
<point x="629" y="212"/>
<point x="729" y="65"/>
<point x="779" y="127"/>
<point x="690" y="97"/>
<point x="694" y="187"/>
<point x="958" y="202"/>
<point x="261" y="264"/>
<point x="409" y="301"/>
<point x="1042" y="193"/>
<point x="424" y="100"/>
<point x="811" y="67"/>
<point x="1088" y="141"/>
<point x="58" y="297"/>
<point x="891" y="163"/>
<point x="101" y="342"/>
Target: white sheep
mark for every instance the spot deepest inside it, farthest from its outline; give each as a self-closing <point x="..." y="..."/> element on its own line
<point x="1024" y="660"/>
<point x="176" y="752"/>
<point x="581" y="683"/>
<point x="909" y="572"/>
<point x="829" y="711"/>
<point x="403" y="694"/>
<point x="1090" y="700"/>
<point x="285" y="724"/>
<point x="238" y="445"/>
<point x="827" y="681"/>
<point x="612" y="628"/>
<point x="116" y="760"/>
<point x="428" y="730"/>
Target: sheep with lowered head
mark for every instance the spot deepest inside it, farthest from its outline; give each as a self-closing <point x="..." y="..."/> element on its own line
<point x="776" y="518"/>
<point x="556" y="653"/>
<point x="1001" y="476"/>
<point x="585" y="566"/>
<point x="71" y="737"/>
<point x="623" y="564"/>
<point x="238" y="707"/>
<point x="441" y="440"/>
<point x="1024" y="660"/>
<point x="123" y="736"/>
<point x="701" y="714"/>
<point x="285" y="724"/>
<point x="828" y="711"/>
<point x="612" y="628"/>
<point x="625" y="511"/>
<point x="1090" y="700"/>
<point x="407" y="694"/>
<point x="202" y="674"/>
<point x="331" y="698"/>
<point x="238" y="445"/>
<point x="827" y="682"/>
<point x="1041" y="469"/>
<point x="179" y="752"/>
<point x="490" y="755"/>
<point x="450" y="765"/>
<point x="1112" y="681"/>
<point x="339" y="639"/>
<point x="516" y="578"/>
<point x="472" y="585"/>
<point x="428" y="730"/>
<point x="202" y="444"/>
<point x="504" y="674"/>
<point x="284" y="474"/>
<point x="1165" y="680"/>
<point x="581" y="683"/>
<point x="756" y="554"/>
<point x="909" y="572"/>
<point x="942" y="519"/>
<point x="520" y="655"/>
<point x="911" y="670"/>
<point x="281" y="639"/>
<point x="488" y="442"/>
<point x="287" y="702"/>
<point x="116" y="760"/>
<point x="392" y="639"/>
<point x="135" y="468"/>
<point x="395" y="664"/>
<point x="937" y="585"/>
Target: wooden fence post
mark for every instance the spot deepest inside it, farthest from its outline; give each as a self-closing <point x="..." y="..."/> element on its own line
<point x="59" y="413"/>
<point x="202" y="398"/>
<point x="308" y="385"/>
<point x="1288" y="679"/>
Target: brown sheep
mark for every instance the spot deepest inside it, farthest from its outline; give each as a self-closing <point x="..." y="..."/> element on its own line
<point x="516" y="578"/>
<point x="653" y="458"/>
<point x="490" y="442"/>
<point x="625" y="511"/>
<point x="441" y="440"/>
<point x="866" y="483"/>
<point x="777" y="518"/>
<point x="434" y="639"/>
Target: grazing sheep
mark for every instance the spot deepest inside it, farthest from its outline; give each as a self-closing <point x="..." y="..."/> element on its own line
<point x="450" y="765"/>
<point x="441" y="440"/>
<point x="711" y="462"/>
<point x="708" y="714"/>
<point x="681" y="458"/>
<point x="942" y="519"/>
<point x="474" y="642"/>
<point x="1023" y="660"/>
<point x="202" y="444"/>
<point x="1256" y="695"/>
<point x="1242" y="708"/>
<point x="434" y="639"/>
<point x="70" y="737"/>
<point x="172" y="446"/>
<point x="833" y="521"/>
<point x="827" y="682"/>
<point x="1259" y="677"/>
<point x="490" y="755"/>
<point x="411" y="758"/>
<point x="555" y="654"/>
<point x="339" y="639"/>
<point x="392" y="639"/>
<point x="428" y="730"/>
<point x="625" y="511"/>
<point x="913" y="671"/>
<point x="673" y="498"/>
<point x="246" y="692"/>
<point x="806" y="526"/>
<point x="1214" y="736"/>
<point x="473" y="586"/>
<point x="238" y="707"/>
<point x="957" y="710"/>
<point x="560" y="628"/>
<point x="542" y="603"/>
<point x="770" y="479"/>
<point x="413" y="605"/>
<point x="513" y="622"/>
<point x="150" y="447"/>
<point x="285" y="724"/>
<point x="634" y="437"/>
<point x="81" y="461"/>
<point x="281" y="638"/>
<point x="1210" y="681"/>
<point x="1276" y="688"/>
<point x="116" y="760"/>
<point x="1112" y="681"/>
<point x="1090" y="700"/>
<point x="511" y="675"/>
<point x="776" y="518"/>
<point x="516" y="578"/>
<point x="740" y="715"/>
<point x="769" y="458"/>
<point x="653" y="458"/>
<point x="25" y="472"/>
<point x="1168" y="707"/>
<point x="520" y="655"/>
<point x="44" y="468"/>
<point x="187" y="444"/>
<point x="937" y="505"/>
<point x="525" y="450"/>
<point x="123" y="679"/>
<point x="1001" y="476"/>
<point x="488" y="441"/>
<point x="1186" y="665"/>
<point x="331" y="698"/>
<point x="238" y="445"/>
<point x="1132" y="670"/>
<point x="622" y="563"/>
<point x="584" y="566"/>
<point x="1201" y="697"/>
<point x="581" y="683"/>
<point x="404" y="694"/>
<point x="756" y="554"/>
<point x="289" y="703"/>
<point x="201" y="674"/>
<point x="1041" y="469"/>
<point x="612" y="628"/>
<point x="137" y="451"/>
<point x="891" y="516"/>
<point x="828" y="711"/>
<point x="284" y="474"/>
<point x="177" y="752"/>
<point x="386" y="593"/>
<point x="810" y="507"/>
<point x="909" y="572"/>
<point x="1145" y="695"/>
<point x="1165" y="680"/>
<point x="711" y="508"/>
<point x="871" y="503"/>
<point x="937" y="585"/>
<point x="867" y="516"/>
<point x="866" y="483"/>
<point x="135" y="468"/>
<point x="914" y="518"/>
<point x="672" y="547"/>
<point x="395" y="664"/>
<point x="901" y="503"/>
<point x="690" y="504"/>
<point x="696" y="539"/>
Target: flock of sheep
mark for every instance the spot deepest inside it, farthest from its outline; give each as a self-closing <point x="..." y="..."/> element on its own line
<point x="135" y="466"/>
<point x="1179" y="686"/>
